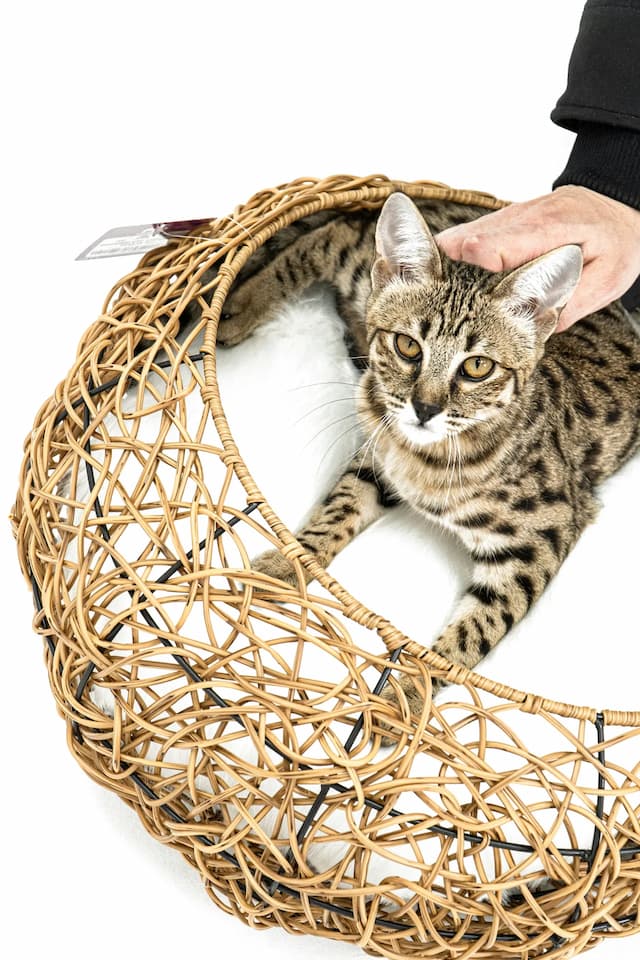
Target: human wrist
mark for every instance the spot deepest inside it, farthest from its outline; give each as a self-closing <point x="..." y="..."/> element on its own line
<point x="605" y="159"/>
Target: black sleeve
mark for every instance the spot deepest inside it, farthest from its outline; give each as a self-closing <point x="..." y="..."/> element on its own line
<point x="602" y="101"/>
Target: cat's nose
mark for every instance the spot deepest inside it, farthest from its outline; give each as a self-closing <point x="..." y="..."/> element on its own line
<point x="425" y="411"/>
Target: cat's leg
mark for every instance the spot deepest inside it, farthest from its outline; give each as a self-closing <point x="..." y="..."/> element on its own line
<point x="359" y="497"/>
<point x="334" y="253"/>
<point x="505" y="583"/>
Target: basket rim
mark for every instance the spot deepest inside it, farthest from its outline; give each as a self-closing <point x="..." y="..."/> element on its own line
<point x="283" y="206"/>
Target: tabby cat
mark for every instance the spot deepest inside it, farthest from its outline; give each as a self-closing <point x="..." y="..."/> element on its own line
<point x="478" y="418"/>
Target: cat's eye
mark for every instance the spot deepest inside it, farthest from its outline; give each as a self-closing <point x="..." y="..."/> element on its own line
<point x="407" y="347"/>
<point x="477" y="368"/>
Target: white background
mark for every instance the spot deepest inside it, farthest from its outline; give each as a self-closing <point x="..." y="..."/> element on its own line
<point x="137" y="112"/>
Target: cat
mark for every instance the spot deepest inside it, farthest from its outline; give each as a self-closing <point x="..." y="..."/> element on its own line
<point x="473" y="413"/>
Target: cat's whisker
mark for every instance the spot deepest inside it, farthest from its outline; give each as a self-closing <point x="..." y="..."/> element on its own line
<point x="451" y="465"/>
<point x="452" y="472"/>
<point x="386" y="423"/>
<point x="459" y="458"/>
<point x="465" y="419"/>
<point x="371" y="440"/>
<point x="443" y="479"/>
<point x="328" y="426"/>
<point x="324" y="383"/>
<point x="325" y="404"/>
<point x="336" y="440"/>
<point x="364" y="448"/>
<point x="344" y="434"/>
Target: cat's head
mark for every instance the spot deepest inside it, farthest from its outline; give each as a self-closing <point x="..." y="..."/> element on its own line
<point x="452" y="345"/>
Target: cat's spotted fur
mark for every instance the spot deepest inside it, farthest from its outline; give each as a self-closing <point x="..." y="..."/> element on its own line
<point x="509" y="463"/>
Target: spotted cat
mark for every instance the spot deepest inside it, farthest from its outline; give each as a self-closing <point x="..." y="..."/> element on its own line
<point x="474" y="414"/>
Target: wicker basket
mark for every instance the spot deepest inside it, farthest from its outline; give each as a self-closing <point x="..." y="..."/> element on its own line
<point x="239" y="716"/>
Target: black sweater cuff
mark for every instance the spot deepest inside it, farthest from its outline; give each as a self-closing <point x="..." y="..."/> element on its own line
<point x="605" y="159"/>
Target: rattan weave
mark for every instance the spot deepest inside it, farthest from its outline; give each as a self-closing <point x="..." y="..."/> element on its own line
<point x="190" y="684"/>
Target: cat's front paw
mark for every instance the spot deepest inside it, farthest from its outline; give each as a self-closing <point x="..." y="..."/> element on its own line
<point x="243" y="311"/>
<point x="275" y="565"/>
<point x="415" y="701"/>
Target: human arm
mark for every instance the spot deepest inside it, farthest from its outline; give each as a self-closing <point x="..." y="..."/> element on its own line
<point x="596" y="200"/>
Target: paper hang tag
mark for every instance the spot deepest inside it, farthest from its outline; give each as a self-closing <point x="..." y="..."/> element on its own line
<point x="125" y="241"/>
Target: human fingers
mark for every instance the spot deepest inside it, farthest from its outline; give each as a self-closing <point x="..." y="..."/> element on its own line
<point x="505" y="239"/>
<point x="598" y="287"/>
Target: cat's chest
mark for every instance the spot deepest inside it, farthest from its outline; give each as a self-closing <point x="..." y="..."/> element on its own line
<point x="439" y="494"/>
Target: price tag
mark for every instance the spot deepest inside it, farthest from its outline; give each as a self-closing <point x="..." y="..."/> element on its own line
<point x="125" y="241"/>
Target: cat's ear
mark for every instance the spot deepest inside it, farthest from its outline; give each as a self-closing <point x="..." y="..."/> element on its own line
<point x="535" y="294"/>
<point x="405" y="249"/>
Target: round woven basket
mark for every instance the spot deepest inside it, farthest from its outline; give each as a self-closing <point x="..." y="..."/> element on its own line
<point x="240" y="716"/>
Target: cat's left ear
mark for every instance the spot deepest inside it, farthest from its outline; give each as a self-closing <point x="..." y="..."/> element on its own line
<point x="535" y="294"/>
<point x="405" y="249"/>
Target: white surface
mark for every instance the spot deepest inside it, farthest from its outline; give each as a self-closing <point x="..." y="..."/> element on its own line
<point x="157" y="112"/>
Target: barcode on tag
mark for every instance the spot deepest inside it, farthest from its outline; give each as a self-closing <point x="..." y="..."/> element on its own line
<point x="123" y="241"/>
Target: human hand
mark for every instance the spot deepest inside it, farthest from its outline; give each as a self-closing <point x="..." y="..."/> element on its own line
<point x="608" y="232"/>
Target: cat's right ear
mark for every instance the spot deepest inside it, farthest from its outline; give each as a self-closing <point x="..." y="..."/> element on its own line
<point x="535" y="293"/>
<point x="405" y="249"/>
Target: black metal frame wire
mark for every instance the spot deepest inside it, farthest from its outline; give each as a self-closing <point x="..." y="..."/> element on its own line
<point x="277" y="885"/>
